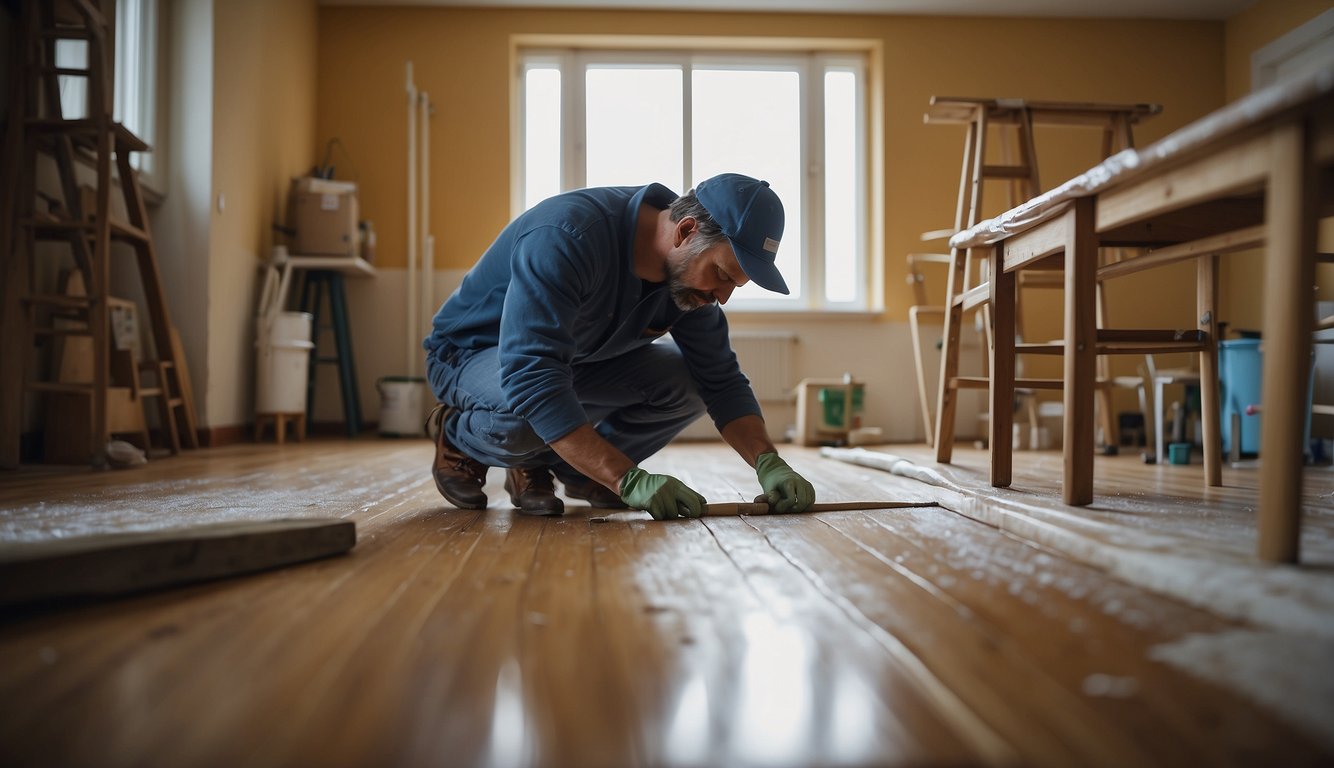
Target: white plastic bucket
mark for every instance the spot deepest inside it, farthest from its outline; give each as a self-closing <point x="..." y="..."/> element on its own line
<point x="283" y="352"/>
<point x="401" y="405"/>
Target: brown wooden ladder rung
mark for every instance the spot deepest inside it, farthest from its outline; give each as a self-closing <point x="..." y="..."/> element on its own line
<point x="1124" y="342"/>
<point x="64" y="228"/>
<point x="1006" y="172"/>
<point x="59" y="300"/>
<point x="49" y="331"/>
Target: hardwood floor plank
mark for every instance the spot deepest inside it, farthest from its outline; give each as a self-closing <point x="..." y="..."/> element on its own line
<point x="1092" y="636"/>
<point x="922" y="720"/>
<point x="468" y="697"/>
<point x="588" y="715"/>
<point x="361" y="686"/>
<point x="982" y="668"/>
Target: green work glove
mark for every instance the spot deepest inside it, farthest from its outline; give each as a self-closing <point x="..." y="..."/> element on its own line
<point x="663" y="496"/>
<point x="784" y="489"/>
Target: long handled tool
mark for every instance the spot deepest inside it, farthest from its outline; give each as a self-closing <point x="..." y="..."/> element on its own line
<point x="761" y="507"/>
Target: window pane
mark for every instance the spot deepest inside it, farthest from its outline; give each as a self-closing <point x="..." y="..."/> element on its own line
<point x="72" y="54"/>
<point x="135" y="68"/>
<point x="541" y="139"/>
<point x="840" y="194"/>
<point x="633" y="126"/>
<point x="750" y="122"/>
<point x="126" y="107"/>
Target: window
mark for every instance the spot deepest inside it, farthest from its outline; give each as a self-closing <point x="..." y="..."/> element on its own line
<point x="135" y="66"/>
<point x="795" y="119"/>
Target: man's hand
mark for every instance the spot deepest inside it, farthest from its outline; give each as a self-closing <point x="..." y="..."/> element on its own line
<point x="785" y="490"/>
<point x="663" y="496"/>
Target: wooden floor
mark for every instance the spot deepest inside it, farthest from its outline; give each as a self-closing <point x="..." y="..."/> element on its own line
<point x="994" y="630"/>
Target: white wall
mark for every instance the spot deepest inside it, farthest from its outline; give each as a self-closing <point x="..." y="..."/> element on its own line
<point x="181" y="223"/>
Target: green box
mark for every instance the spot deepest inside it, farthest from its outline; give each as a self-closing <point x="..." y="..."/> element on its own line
<point x="832" y="399"/>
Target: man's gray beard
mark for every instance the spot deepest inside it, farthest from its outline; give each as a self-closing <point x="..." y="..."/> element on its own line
<point x="684" y="297"/>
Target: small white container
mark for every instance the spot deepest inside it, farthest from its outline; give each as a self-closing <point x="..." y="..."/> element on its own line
<point x="401" y="413"/>
<point x="283" y="362"/>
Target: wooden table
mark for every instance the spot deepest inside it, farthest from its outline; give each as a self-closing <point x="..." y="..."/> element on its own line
<point x="1254" y="172"/>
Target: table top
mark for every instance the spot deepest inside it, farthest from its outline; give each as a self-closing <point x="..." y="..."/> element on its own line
<point x="961" y="109"/>
<point x="1193" y="140"/>
<point x="353" y="265"/>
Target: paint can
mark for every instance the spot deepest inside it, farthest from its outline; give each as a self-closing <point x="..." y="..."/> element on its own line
<point x="401" y="399"/>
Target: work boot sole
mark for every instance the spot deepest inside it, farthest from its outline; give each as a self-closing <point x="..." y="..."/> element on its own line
<point x="459" y="501"/>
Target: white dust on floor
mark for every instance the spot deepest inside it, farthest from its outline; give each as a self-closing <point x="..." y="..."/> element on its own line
<point x="1291" y="675"/>
<point x="171" y="503"/>
<point x="1296" y="599"/>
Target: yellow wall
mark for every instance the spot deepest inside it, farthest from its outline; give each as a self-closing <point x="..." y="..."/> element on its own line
<point x="1248" y="31"/>
<point x="461" y="57"/>
<point x="263" y="134"/>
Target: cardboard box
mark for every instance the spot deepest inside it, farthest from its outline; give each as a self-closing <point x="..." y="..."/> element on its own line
<point x="324" y="214"/>
<point x="822" y="417"/>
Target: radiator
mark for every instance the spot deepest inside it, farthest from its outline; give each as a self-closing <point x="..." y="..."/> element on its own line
<point x="766" y="359"/>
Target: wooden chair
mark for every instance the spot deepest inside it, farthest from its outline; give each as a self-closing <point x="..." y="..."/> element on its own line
<point x="1160" y="379"/>
<point x="923" y="308"/>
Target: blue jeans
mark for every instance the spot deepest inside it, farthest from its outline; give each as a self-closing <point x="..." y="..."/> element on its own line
<point x="638" y="402"/>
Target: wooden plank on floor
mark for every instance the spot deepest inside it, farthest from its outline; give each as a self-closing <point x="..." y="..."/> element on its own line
<point x="121" y="563"/>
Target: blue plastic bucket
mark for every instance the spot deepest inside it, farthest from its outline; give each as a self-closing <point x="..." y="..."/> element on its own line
<point x="1239" y="372"/>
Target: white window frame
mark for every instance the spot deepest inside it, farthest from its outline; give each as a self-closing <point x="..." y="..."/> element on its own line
<point x="136" y="78"/>
<point x="811" y="65"/>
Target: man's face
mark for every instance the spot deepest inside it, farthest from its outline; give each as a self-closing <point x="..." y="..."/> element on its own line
<point x="700" y="280"/>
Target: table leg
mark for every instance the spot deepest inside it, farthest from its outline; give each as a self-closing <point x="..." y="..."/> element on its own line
<point x="1002" y="369"/>
<point x="1081" y="330"/>
<point x="1206" y="310"/>
<point x="1289" y="275"/>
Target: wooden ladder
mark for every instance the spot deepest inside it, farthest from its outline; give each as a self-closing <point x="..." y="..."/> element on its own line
<point x="35" y="218"/>
<point x="1019" y="166"/>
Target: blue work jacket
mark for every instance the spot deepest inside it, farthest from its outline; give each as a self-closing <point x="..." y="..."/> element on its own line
<point x="557" y="289"/>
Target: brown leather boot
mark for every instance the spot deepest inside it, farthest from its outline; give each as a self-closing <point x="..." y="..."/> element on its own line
<point x="593" y="492"/>
<point x="533" y="491"/>
<point x="458" y="477"/>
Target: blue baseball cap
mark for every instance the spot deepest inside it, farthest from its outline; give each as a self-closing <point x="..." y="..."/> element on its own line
<point x="751" y="216"/>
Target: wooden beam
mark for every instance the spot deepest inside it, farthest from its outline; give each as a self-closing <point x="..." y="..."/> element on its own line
<point x="1236" y="240"/>
<point x="118" y="563"/>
